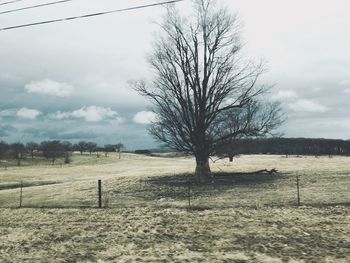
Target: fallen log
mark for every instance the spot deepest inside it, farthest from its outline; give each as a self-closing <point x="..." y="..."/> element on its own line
<point x="265" y="171"/>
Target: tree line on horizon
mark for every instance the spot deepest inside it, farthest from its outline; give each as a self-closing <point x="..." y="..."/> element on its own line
<point x="285" y="146"/>
<point x="52" y="150"/>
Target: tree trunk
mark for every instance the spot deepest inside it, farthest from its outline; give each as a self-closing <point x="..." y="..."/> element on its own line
<point x="202" y="172"/>
<point x="19" y="156"/>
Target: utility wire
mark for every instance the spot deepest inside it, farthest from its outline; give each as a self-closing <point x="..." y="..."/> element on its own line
<point x="34" y="6"/>
<point x="10" y="2"/>
<point x="88" y="15"/>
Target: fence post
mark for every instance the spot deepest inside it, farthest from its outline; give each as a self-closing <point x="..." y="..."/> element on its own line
<point x="189" y="194"/>
<point x="298" y="190"/>
<point x="99" y="194"/>
<point x="21" y="196"/>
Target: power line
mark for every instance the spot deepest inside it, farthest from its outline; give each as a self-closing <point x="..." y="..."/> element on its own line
<point x="34" y="6"/>
<point x="10" y="2"/>
<point x="89" y="15"/>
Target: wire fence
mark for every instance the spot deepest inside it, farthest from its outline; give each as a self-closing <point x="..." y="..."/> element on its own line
<point x="240" y="190"/>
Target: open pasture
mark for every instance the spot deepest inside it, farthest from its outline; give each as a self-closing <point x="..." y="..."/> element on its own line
<point x="240" y="217"/>
<point x="145" y="181"/>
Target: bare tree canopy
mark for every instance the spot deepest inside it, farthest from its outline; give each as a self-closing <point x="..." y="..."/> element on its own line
<point x="257" y="119"/>
<point x="31" y="148"/>
<point x="53" y="150"/>
<point x="204" y="91"/>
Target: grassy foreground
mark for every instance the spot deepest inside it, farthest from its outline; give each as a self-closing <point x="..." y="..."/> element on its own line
<point x="175" y="235"/>
<point x="241" y="217"/>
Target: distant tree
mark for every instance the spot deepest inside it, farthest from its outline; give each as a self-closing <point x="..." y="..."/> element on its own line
<point x="288" y="146"/>
<point x="31" y="147"/>
<point x="108" y="148"/>
<point x="52" y="150"/>
<point x="119" y="148"/>
<point x="347" y="147"/>
<point x="18" y="150"/>
<point x="81" y="147"/>
<point x="67" y="146"/>
<point x="4" y="147"/>
<point x="91" y="147"/>
<point x="99" y="149"/>
<point x="67" y="158"/>
<point x="258" y="119"/>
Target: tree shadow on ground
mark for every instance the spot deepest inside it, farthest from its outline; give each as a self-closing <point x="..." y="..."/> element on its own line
<point x="219" y="179"/>
<point x="180" y="186"/>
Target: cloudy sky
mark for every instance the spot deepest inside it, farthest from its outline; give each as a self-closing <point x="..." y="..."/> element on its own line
<point x="69" y="80"/>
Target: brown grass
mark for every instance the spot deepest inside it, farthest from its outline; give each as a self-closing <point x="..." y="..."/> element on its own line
<point x="150" y="222"/>
<point x="175" y="235"/>
<point x="137" y="180"/>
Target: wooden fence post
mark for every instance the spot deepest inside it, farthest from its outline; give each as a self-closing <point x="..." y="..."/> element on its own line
<point x="99" y="194"/>
<point x="298" y="190"/>
<point x="21" y="196"/>
<point x="189" y="194"/>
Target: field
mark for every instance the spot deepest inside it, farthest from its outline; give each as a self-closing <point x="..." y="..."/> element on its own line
<point x="137" y="180"/>
<point x="240" y="217"/>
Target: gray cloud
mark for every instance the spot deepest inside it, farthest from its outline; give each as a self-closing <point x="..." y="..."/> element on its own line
<point x="49" y="87"/>
<point x="89" y="114"/>
<point x="6" y="130"/>
<point x="75" y="136"/>
<point x="144" y="117"/>
<point x="26" y="113"/>
<point x="304" y="105"/>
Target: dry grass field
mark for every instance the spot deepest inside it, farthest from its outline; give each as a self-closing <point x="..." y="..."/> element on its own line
<point x="238" y="235"/>
<point x="136" y="180"/>
<point x="240" y="217"/>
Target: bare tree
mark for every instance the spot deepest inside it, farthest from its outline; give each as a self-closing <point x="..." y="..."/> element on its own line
<point x="18" y="150"/>
<point x="200" y="79"/>
<point x="257" y="119"/>
<point x="52" y="150"/>
<point x="109" y="148"/>
<point x="91" y="147"/>
<point x="31" y="148"/>
<point x="81" y="146"/>
<point x="67" y="146"/>
<point x="4" y="147"/>
<point x="119" y="148"/>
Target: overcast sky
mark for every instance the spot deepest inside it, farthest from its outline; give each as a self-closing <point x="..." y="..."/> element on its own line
<point x="69" y="80"/>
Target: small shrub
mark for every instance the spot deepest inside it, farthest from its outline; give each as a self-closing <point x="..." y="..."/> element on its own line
<point x="67" y="159"/>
